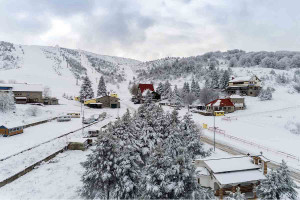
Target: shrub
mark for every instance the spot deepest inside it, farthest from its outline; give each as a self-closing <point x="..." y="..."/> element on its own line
<point x="265" y="94"/>
<point x="33" y="111"/>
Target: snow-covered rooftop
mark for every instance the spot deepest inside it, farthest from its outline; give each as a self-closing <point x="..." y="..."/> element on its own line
<point x="202" y="171"/>
<point x="239" y="177"/>
<point x="20" y="87"/>
<point x="230" y="164"/>
<point x="236" y="96"/>
<point x="241" y="79"/>
<point x="238" y="104"/>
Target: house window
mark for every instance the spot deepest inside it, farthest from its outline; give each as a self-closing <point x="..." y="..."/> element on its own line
<point x="198" y="180"/>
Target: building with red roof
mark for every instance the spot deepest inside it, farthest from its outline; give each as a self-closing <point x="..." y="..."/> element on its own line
<point x="225" y="105"/>
<point x="143" y="87"/>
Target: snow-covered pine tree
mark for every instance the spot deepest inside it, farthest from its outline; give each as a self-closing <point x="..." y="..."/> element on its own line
<point x="190" y="134"/>
<point x="224" y="80"/>
<point x="101" y="91"/>
<point x="86" y="90"/>
<point x="176" y="97"/>
<point x="167" y="91"/>
<point x="7" y="101"/>
<point x="278" y="185"/>
<point x="160" y="88"/>
<point x="288" y="185"/>
<point x="271" y="187"/>
<point x="186" y="88"/>
<point x="155" y="180"/>
<point x="214" y="79"/>
<point x="128" y="172"/>
<point x="197" y="90"/>
<point x="193" y="87"/>
<point x="99" y="179"/>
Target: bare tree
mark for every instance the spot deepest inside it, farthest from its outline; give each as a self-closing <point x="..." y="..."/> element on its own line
<point x="207" y="95"/>
<point x="134" y="89"/>
<point x="47" y="91"/>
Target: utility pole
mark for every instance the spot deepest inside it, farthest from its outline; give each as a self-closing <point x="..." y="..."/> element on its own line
<point x="214" y="130"/>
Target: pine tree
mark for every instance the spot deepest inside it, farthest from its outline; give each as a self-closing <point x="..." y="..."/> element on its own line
<point x="101" y="91"/>
<point x="197" y="90"/>
<point x="224" y="80"/>
<point x="176" y="97"/>
<point x="167" y="92"/>
<point x="287" y="182"/>
<point x="186" y="88"/>
<point x="278" y="184"/>
<point x="214" y="79"/>
<point x="190" y="134"/>
<point x="86" y="91"/>
<point x="193" y="87"/>
<point x="155" y="182"/>
<point x="99" y="179"/>
<point x="160" y="88"/>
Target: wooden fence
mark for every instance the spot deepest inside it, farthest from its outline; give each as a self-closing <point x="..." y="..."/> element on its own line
<point x="30" y="168"/>
<point x="281" y="153"/>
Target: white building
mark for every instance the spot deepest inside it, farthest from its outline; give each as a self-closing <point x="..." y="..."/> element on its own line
<point x="226" y="174"/>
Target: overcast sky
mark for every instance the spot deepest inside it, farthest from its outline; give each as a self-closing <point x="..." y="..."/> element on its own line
<point x="151" y="29"/>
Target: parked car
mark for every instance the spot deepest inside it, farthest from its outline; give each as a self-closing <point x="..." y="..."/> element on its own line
<point x="89" y="120"/>
<point x="64" y="118"/>
<point x="74" y="115"/>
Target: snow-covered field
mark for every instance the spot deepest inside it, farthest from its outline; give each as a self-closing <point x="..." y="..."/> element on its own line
<point x="56" y="179"/>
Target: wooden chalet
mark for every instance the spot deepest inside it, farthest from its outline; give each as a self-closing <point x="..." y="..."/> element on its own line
<point x="224" y="175"/>
<point x="249" y="85"/>
<point x="220" y="105"/>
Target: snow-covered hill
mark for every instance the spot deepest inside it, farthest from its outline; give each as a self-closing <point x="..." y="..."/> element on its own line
<point x="59" y="68"/>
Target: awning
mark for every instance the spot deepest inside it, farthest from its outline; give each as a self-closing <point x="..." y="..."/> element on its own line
<point x="21" y="98"/>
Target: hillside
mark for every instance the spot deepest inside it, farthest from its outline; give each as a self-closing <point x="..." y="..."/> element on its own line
<point x="59" y="68"/>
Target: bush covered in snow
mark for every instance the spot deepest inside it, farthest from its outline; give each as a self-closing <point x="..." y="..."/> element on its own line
<point x="7" y="101"/>
<point x="265" y="94"/>
<point x="33" y="111"/>
<point x="297" y="86"/>
<point x="293" y="127"/>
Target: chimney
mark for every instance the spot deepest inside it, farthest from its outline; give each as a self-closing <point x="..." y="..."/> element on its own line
<point x="265" y="167"/>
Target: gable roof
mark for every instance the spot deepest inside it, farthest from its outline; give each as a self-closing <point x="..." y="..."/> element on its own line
<point x="220" y="103"/>
<point x="239" y="177"/>
<point x="143" y="87"/>
<point x="231" y="164"/>
<point x="244" y="78"/>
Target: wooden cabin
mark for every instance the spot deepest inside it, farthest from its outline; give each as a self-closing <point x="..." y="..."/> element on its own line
<point x="10" y="131"/>
<point x="220" y="105"/>
<point x="226" y="174"/>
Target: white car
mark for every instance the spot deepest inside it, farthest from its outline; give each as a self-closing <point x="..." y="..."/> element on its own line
<point x="64" y="118"/>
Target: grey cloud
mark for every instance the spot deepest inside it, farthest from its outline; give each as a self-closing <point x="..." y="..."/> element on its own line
<point x="256" y="24"/>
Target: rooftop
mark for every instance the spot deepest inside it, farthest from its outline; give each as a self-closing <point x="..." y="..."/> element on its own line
<point x="24" y="87"/>
<point x="146" y="86"/>
<point x="220" y="102"/>
<point x="231" y="164"/>
<point x="241" y="79"/>
<point x="239" y="177"/>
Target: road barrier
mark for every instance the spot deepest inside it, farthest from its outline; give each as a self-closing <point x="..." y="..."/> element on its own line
<point x="281" y="153"/>
<point x="229" y="118"/>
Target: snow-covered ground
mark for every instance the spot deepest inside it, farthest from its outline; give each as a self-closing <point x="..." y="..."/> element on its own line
<point x="60" y="178"/>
